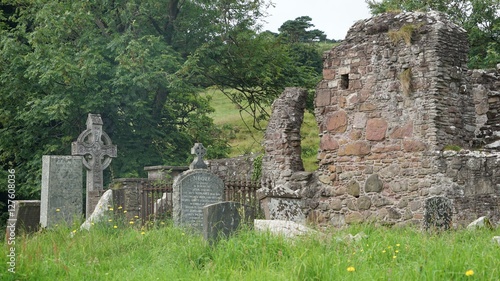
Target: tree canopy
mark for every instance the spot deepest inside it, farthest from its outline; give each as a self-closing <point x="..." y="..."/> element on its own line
<point x="481" y="19"/>
<point x="141" y="65"/>
<point x="298" y="30"/>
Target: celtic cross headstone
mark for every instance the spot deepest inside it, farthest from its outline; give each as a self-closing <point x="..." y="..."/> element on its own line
<point x="97" y="150"/>
<point x="200" y="151"/>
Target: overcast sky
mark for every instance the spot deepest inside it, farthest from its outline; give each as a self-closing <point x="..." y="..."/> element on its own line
<point x="334" y="17"/>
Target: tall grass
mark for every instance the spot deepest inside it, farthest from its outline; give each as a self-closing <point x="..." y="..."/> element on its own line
<point x="171" y="253"/>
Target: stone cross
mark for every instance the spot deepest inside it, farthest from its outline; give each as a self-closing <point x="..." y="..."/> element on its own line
<point x="97" y="150"/>
<point x="95" y="145"/>
<point x="200" y="151"/>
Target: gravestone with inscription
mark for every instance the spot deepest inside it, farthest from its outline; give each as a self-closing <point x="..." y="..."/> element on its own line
<point x="62" y="183"/>
<point x="193" y="190"/>
<point x="97" y="150"/>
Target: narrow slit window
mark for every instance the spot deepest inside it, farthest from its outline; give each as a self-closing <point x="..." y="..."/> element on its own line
<point x="344" y="81"/>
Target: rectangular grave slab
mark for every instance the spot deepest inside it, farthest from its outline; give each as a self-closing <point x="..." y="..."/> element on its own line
<point x="62" y="188"/>
<point x="25" y="217"/>
<point x="438" y="213"/>
<point x="193" y="190"/>
<point x="220" y="220"/>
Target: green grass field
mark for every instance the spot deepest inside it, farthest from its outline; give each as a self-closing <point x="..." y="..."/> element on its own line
<point x="244" y="139"/>
<point x="169" y="253"/>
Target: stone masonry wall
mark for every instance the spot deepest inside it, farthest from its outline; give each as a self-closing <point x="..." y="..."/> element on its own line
<point x="240" y="167"/>
<point x="282" y="138"/>
<point x="485" y="85"/>
<point x="394" y="95"/>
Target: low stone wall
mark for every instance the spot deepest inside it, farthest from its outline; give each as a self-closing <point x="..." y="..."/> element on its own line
<point x="472" y="183"/>
<point x="240" y="167"/>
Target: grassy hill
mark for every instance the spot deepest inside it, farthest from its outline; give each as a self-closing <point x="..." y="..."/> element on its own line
<point x="244" y="139"/>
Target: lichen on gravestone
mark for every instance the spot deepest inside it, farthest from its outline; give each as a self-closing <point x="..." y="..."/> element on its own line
<point x="438" y="213"/>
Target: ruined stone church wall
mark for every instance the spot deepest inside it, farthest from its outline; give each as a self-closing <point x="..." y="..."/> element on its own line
<point x="485" y="87"/>
<point x="386" y="108"/>
<point x="395" y="101"/>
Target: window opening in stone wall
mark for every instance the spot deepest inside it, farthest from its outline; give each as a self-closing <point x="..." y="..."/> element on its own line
<point x="344" y="81"/>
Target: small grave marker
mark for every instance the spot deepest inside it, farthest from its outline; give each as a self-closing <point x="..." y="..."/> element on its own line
<point x="26" y="216"/>
<point x="224" y="218"/>
<point x="438" y="213"/>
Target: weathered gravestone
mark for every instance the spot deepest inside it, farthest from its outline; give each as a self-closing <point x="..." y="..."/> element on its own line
<point x="62" y="182"/>
<point x="193" y="190"/>
<point x="224" y="218"/>
<point x="25" y="216"/>
<point x="97" y="150"/>
<point x="438" y="213"/>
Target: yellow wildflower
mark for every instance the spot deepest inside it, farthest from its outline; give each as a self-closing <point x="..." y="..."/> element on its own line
<point x="351" y="269"/>
<point x="120" y="207"/>
<point x="125" y="211"/>
<point x="397" y="245"/>
<point x="393" y="257"/>
<point x="469" y="272"/>
<point x="136" y="217"/>
<point x="58" y="210"/>
<point x="110" y="220"/>
<point x="131" y="222"/>
<point x="111" y="209"/>
<point x="143" y="233"/>
<point x="115" y="226"/>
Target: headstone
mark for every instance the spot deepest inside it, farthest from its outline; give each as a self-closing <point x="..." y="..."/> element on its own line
<point x="127" y="193"/>
<point x="62" y="182"/>
<point x="97" y="150"/>
<point x="26" y="216"/>
<point x="100" y="211"/>
<point x="438" y="213"/>
<point x="194" y="189"/>
<point x="224" y="218"/>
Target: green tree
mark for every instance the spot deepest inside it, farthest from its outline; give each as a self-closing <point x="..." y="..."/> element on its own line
<point x="479" y="17"/>
<point x="126" y="60"/>
<point x="297" y="30"/>
<point x="249" y="67"/>
<point x="253" y="69"/>
<point x="141" y="65"/>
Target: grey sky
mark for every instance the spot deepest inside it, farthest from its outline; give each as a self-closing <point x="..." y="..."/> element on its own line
<point x="334" y="17"/>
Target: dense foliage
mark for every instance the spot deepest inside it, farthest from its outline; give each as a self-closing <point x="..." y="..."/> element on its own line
<point x="481" y="19"/>
<point x="141" y="65"/>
